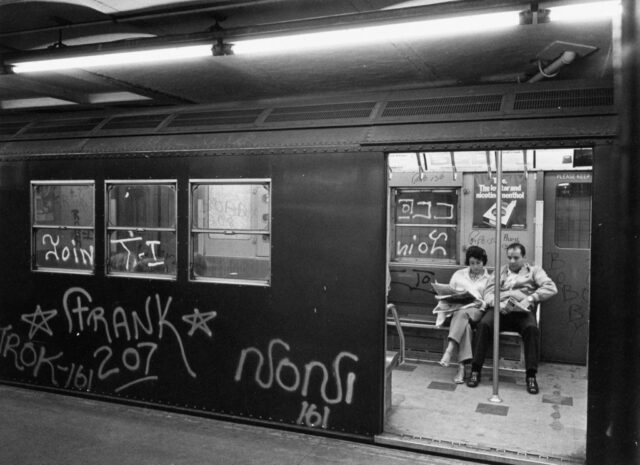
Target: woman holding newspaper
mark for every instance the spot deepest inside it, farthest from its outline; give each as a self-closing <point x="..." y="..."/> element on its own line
<point x="473" y="279"/>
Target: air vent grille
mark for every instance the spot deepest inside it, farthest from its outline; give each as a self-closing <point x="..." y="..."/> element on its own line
<point x="134" y="122"/>
<point x="442" y="105"/>
<point x="570" y="98"/>
<point x="215" y="118"/>
<point x="321" y="112"/>
<point x="9" y="129"/>
<point x="57" y="126"/>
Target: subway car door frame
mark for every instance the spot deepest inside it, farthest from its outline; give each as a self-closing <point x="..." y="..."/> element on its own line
<point x="564" y="323"/>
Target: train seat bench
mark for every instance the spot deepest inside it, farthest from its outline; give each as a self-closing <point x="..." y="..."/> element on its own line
<point x="414" y="301"/>
<point x="435" y="342"/>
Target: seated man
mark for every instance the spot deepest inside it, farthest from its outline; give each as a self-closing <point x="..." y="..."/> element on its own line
<point x="521" y="286"/>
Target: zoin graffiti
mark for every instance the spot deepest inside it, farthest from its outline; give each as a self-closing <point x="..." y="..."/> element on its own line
<point x="66" y="253"/>
<point x="141" y="334"/>
<point x="426" y="242"/>
<point x="272" y="376"/>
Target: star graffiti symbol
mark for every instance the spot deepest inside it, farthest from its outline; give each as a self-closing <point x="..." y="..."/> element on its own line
<point x="199" y="321"/>
<point x="39" y="321"/>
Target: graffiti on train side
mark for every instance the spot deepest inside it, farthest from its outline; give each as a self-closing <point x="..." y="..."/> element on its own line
<point x="427" y="178"/>
<point x="125" y="342"/>
<point x="575" y="296"/>
<point x="487" y="238"/>
<point x="413" y="280"/>
<point x="290" y="377"/>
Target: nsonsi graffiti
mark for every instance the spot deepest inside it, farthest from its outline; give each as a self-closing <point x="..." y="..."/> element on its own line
<point x="296" y="379"/>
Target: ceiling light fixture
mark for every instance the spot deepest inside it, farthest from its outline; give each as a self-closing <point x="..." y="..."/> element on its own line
<point x="323" y="40"/>
<point x="586" y="12"/>
<point x="111" y="59"/>
<point x="378" y="34"/>
<point x="365" y="35"/>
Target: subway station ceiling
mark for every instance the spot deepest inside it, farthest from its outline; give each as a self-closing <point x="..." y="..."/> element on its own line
<point x="541" y="48"/>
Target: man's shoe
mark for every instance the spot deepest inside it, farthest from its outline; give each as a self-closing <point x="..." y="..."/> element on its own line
<point x="474" y="379"/>
<point x="532" y="385"/>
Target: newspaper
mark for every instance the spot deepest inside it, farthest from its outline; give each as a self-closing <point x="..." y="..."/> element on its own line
<point x="449" y="295"/>
<point x="515" y="305"/>
<point x="451" y="300"/>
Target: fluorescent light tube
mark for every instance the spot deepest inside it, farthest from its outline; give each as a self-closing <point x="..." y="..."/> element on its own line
<point x="110" y="59"/>
<point x="585" y="12"/>
<point x="368" y="35"/>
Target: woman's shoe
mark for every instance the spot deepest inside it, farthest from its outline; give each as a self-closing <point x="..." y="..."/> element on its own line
<point x="459" y="378"/>
<point x="446" y="359"/>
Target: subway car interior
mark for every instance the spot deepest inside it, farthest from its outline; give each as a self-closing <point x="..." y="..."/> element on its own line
<point x="441" y="200"/>
<point x="242" y="210"/>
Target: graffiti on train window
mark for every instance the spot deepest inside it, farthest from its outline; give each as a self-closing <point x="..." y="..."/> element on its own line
<point x="63" y="226"/>
<point x="425" y="224"/>
<point x="231" y="231"/>
<point x="141" y="228"/>
<point x="514" y="201"/>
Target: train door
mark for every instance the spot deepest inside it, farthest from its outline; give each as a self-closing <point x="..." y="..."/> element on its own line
<point x="564" y="323"/>
<point x="440" y="203"/>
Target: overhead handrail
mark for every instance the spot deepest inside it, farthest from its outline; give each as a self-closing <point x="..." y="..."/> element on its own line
<point x="392" y="308"/>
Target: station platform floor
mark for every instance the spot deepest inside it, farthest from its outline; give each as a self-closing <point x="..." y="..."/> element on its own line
<point x="42" y="428"/>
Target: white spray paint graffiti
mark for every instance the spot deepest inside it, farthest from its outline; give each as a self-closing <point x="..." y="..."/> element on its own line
<point x="130" y="365"/>
<point x="410" y="213"/>
<point x="152" y="246"/>
<point x="422" y="244"/>
<point x="308" y="414"/>
<point x="63" y="254"/>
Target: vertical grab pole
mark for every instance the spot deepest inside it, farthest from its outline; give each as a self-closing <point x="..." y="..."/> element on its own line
<point x="496" y="276"/>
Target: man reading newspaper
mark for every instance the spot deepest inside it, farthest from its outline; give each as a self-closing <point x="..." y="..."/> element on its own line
<point x="522" y="286"/>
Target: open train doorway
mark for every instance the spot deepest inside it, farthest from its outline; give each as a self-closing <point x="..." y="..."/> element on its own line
<point x="440" y="204"/>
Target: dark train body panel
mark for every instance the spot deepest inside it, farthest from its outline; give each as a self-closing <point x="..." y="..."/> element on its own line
<point x="304" y="349"/>
<point x="173" y="352"/>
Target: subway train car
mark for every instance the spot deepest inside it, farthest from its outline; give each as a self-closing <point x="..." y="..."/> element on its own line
<point x="238" y="261"/>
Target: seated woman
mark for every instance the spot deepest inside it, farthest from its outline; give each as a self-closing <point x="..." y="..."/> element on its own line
<point x="474" y="278"/>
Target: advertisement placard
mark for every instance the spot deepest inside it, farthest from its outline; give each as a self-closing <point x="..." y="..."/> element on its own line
<point x="514" y="201"/>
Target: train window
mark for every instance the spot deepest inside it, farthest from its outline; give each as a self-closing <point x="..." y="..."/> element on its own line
<point x="62" y="220"/>
<point x="460" y="161"/>
<point x="439" y="161"/>
<point x="563" y="159"/>
<point x="231" y="231"/>
<point x="573" y="215"/>
<point x="425" y="225"/>
<point x="405" y="162"/>
<point x="141" y="228"/>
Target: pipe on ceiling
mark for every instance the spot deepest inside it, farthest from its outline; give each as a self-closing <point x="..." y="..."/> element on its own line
<point x="551" y="70"/>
